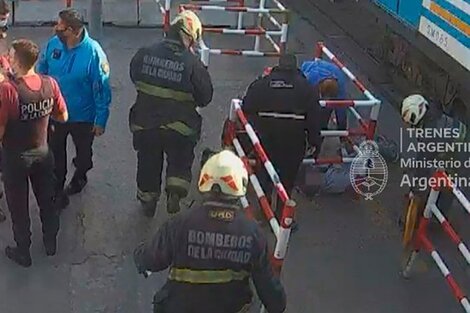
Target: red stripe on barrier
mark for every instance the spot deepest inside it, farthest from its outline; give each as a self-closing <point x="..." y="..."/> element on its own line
<point x="236" y="9"/>
<point x="337" y="62"/>
<point x="191" y="6"/>
<point x="248" y="167"/>
<point x="451" y="232"/>
<point x="427" y="245"/>
<point x="261" y="154"/>
<point x="277" y="265"/>
<point x="339" y="103"/>
<point x="359" y="85"/>
<point x="458" y="293"/>
<point x="371" y="129"/>
<point x="319" y="49"/>
<point x="268" y="212"/>
<point x="213" y="30"/>
<point x="241" y="117"/>
<point x="288" y="212"/>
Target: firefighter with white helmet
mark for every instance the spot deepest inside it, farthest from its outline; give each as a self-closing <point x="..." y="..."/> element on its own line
<point x="213" y="250"/>
<point x="171" y="83"/>
<point x="414" y="109"/>
<point x="418" y="112"/>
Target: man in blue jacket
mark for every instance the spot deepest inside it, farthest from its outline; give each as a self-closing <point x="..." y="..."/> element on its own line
<point x="331" y="83"/>
<point x="81" y="68"/>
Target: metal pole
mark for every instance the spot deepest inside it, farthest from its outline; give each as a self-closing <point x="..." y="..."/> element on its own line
<point x="96" y="18"/>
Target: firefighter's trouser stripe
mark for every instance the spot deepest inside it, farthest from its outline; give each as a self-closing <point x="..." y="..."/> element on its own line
<point x="162" y="92"/>
<point x="180" y="127"/>
<point x="289" y="116"/>
<point x="206" y="276"/>
<point x="178" y="182"/>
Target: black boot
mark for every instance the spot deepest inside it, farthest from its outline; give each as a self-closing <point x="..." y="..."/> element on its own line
<point x="150" y="207"/>
<point x="50" y="245"/>
<point x="76" y="185"/>
<point x="19" y="256"/>
<point x="173" y="203"/>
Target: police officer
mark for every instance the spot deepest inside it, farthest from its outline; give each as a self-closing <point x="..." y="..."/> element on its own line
<point x="171" y="83"/>
<point x="282" y="106"/>
<point x="4" y="64"/>
<point x="81" y="68"/>
<point x="213" y="250"/>
<point x="28" y="101"/>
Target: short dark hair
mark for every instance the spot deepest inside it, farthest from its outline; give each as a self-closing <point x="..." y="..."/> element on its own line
<point x="72" y="18"/>
<point x="4" y="7"/>
<point x="26" y="52"/>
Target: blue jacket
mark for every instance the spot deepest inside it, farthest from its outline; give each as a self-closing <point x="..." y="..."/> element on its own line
<point x="83" y="76"/>
<point x="318" y="70"/>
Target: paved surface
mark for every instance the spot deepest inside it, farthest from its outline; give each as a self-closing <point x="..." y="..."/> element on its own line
<point x="345" y="258"/>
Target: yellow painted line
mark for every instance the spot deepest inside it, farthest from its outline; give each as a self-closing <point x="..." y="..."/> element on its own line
<point x="449" y="17"/>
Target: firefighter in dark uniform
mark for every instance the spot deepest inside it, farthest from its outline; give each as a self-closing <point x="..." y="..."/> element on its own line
<point x="213" y="250"/>
<point x="282" y="107"/>
<point x="171" y="84"/>
<point x="28" y="100"/>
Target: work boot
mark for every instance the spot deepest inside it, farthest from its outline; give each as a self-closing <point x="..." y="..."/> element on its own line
<point x="2" y="216"/>
<point x="19" y="256"/>
<point x="61" y="200"/>
<point x="76" y="185"/>
<point x="173" y="203"/>
<point x="50" y="245"/>
<point x="150" y="207"/>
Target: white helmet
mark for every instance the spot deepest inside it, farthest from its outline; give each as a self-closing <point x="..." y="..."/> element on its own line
<point x="190" y="24"/>
<point x="226" y="170"/>
<point x="413" y="109"/>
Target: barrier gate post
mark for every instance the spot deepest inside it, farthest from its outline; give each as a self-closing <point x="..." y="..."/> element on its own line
<point x="421" y="240"/>
<point x="281" y="27"/>
<point x="281" y="229"/>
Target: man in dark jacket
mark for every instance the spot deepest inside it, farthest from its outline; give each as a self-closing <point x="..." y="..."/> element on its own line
<point x="171" y="84"/>
<point x="213" y="250"/>
<point x="283" y="107"/>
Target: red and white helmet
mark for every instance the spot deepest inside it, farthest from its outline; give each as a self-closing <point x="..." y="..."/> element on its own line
<point x="227" y="171"/>
<point x="413" y="109"/>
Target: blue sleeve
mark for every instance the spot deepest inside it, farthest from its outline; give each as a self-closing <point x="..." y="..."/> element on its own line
<point x="43" y="67"/>
<point x="101" y="86"/>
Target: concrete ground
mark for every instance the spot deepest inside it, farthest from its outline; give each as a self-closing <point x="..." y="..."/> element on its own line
<point x="345" y="257"/>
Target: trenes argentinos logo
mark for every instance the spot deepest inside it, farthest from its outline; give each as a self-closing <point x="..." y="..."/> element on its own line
<point x="369" y="172"/>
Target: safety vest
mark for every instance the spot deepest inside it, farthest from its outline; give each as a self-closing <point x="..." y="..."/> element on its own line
<point x="29" y="129"/>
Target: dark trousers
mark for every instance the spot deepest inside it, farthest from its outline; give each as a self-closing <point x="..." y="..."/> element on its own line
<point x="151" y="146"/>
<point x="82" y="137"/>
<point x="36" y="166"/>
<point x="286" y="155"/>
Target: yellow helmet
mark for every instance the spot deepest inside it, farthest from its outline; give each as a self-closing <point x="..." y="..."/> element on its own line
<point x="190" y="24"/>
<point x="226" y="170"/>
